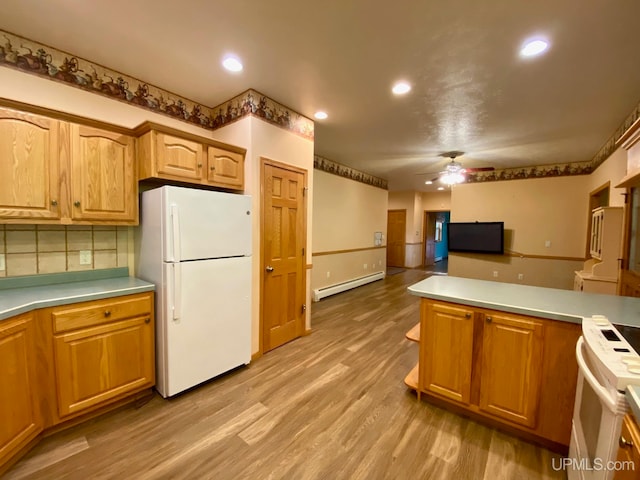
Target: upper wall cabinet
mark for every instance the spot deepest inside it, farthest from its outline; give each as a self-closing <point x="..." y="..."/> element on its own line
<point x="29" y="166"/>
<point x="54" y="171"/>
<point x="172" y="155"/>
<point x="103" y="181"/>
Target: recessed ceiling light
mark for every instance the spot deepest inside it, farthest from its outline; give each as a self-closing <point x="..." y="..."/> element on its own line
<point x="532" y="48"/>
<point x="428" y="182"/>
<point x="320" y="115"/>
<point x="232" y="63"/>
<point x="400" y="88"/>
<point x="440" y="188"/>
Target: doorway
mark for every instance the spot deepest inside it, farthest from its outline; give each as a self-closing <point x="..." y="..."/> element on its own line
<point x="284" y="230"/>
<point x="396" y="237"/>
<point x="435" y="255"/>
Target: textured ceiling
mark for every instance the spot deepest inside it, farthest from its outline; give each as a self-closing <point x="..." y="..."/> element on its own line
<point x="471" y="91"/>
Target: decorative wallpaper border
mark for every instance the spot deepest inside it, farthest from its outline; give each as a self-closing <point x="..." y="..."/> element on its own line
<point x="520" y="173"/>
<point x="329" y="166"/>
<point x="39" y="59"/>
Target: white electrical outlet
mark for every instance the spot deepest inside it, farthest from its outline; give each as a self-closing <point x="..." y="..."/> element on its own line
<point x="2" y="266"/>
<point x="379" y="262"/>
<point x="365" y="266"/>
<point x="85" y="257"/>
<point x="547" y="243"/>
<point x="520" y="276"/>
<point x="495" y="273"/>
<point x="328" y="274"/>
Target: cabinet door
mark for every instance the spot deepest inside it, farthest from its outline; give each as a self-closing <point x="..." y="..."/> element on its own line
<point x="629" y="450"/>
<point x="29" y="166"/>
<point x="19" y="415"/>
<point x="446" y="350"/>
<point x="100" y="363"/>
<point x="179" y="158"/>
<point x="511" y="367"/>
<point x="103" y="180"/>
<point x="226" y="168"/>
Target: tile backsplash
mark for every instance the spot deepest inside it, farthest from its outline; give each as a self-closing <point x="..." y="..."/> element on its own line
<point x="38" y="249"/>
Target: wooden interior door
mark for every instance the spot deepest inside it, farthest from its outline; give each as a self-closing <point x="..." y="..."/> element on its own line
<point x="283" y="259"/>
<point x="396" y="237"/>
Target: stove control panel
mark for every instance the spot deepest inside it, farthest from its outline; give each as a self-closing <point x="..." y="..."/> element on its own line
<point x="616" y="359"/>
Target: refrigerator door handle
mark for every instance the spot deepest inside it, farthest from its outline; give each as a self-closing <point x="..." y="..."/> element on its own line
<point x="175" y="229"/>
<point x="177" y="291"/>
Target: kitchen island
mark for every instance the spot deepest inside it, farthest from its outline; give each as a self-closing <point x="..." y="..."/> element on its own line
<point x="72" y="346"/>
<point x="505" y="353"/>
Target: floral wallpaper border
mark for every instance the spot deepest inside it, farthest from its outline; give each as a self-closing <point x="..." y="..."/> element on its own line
<point x="38" y="59"/>
<point x="329" y="166"/>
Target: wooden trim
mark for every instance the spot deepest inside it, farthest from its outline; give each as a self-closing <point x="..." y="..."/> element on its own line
<point x="307" y="331"/>
<point x="543" y="257"/>
<point x="350" y="250"/>
<point x="308" y="266"/>
<point x="148" y="126"/>
<point x="66" y="117"/>
<point x="256" y="355"/>
<point x="418" y="243"/>
<point x="630" y="137"/>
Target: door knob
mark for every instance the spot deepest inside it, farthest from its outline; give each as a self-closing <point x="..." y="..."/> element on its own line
<point x="269" y="268"/>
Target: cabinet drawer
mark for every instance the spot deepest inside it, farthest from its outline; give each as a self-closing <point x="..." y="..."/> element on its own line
<point x="88" y="314"/>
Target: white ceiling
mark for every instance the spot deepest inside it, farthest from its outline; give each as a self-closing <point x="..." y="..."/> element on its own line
<point x="471" y="91"/>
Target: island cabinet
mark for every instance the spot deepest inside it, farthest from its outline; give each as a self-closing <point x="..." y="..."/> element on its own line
<point x="514" y="370"/>
<point x="20" y="420"/>
<point x="628" y="449"/>
<point x="55" y="171"/>
<point x="167" y="154"/>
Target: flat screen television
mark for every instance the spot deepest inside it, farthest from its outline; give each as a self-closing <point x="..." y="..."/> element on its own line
<point x="476" y="237"/>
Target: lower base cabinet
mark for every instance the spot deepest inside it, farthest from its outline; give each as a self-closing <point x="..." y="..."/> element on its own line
<point x="20" y="420"/>
<point x="628" y="450"/>
<point x="514" y="370"/>
<point x="60" y="365"/>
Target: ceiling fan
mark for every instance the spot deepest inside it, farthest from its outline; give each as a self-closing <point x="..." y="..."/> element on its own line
<point x="453" y="171"/>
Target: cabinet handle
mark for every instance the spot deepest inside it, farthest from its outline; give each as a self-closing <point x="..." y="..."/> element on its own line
<point x="54" y="203"/>
<point x="147" y="320"/>
<point x="107" y="313"/>
<point x="624" y="443"/>
<point x="467" y="315"/>
<point x="199" y="165"/>
<point x="489" y="319"/>
<point x="212" y="168"/>
<point x="77" y="203"/>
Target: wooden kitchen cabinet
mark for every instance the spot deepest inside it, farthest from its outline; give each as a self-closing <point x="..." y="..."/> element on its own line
<point x="447" y="350"/>
<point x="225" y="168"/>
<point x="511" y="367"/>
<point x="494" y="364"/>
<point x="103" y="176"/>
<point x="169" y="154"/>
<point x="54" y="171"/>
<point x="103" y="350"/>
<point x="29" y="166"/>
<point x="20" y="419"/>
<point x="628" y="449"/>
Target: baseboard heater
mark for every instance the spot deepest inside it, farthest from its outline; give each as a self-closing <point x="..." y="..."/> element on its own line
<point x="320" y="293"/>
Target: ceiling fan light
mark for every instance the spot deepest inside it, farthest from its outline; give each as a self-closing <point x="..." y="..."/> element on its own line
<point x="428" y="182"/>
<point x="452" y="178"/>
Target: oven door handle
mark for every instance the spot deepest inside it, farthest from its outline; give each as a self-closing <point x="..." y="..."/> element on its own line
<point x="602" y="392"/>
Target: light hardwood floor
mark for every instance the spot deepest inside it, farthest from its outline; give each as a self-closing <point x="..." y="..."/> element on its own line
<point x="330" y="405"/>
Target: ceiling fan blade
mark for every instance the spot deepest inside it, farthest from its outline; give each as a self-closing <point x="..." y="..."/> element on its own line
<point x="480" y="169"/>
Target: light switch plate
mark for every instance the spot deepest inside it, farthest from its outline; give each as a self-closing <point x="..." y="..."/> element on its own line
<point x="2" y="266"/>
<point x="85" y="257"/>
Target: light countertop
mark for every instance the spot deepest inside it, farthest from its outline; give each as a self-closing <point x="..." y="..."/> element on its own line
<point x="550" y="303"/>
<point x="14" y="301"/>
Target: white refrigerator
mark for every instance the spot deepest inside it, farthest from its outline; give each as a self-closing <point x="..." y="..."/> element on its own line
<point x="195" y="246"/>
